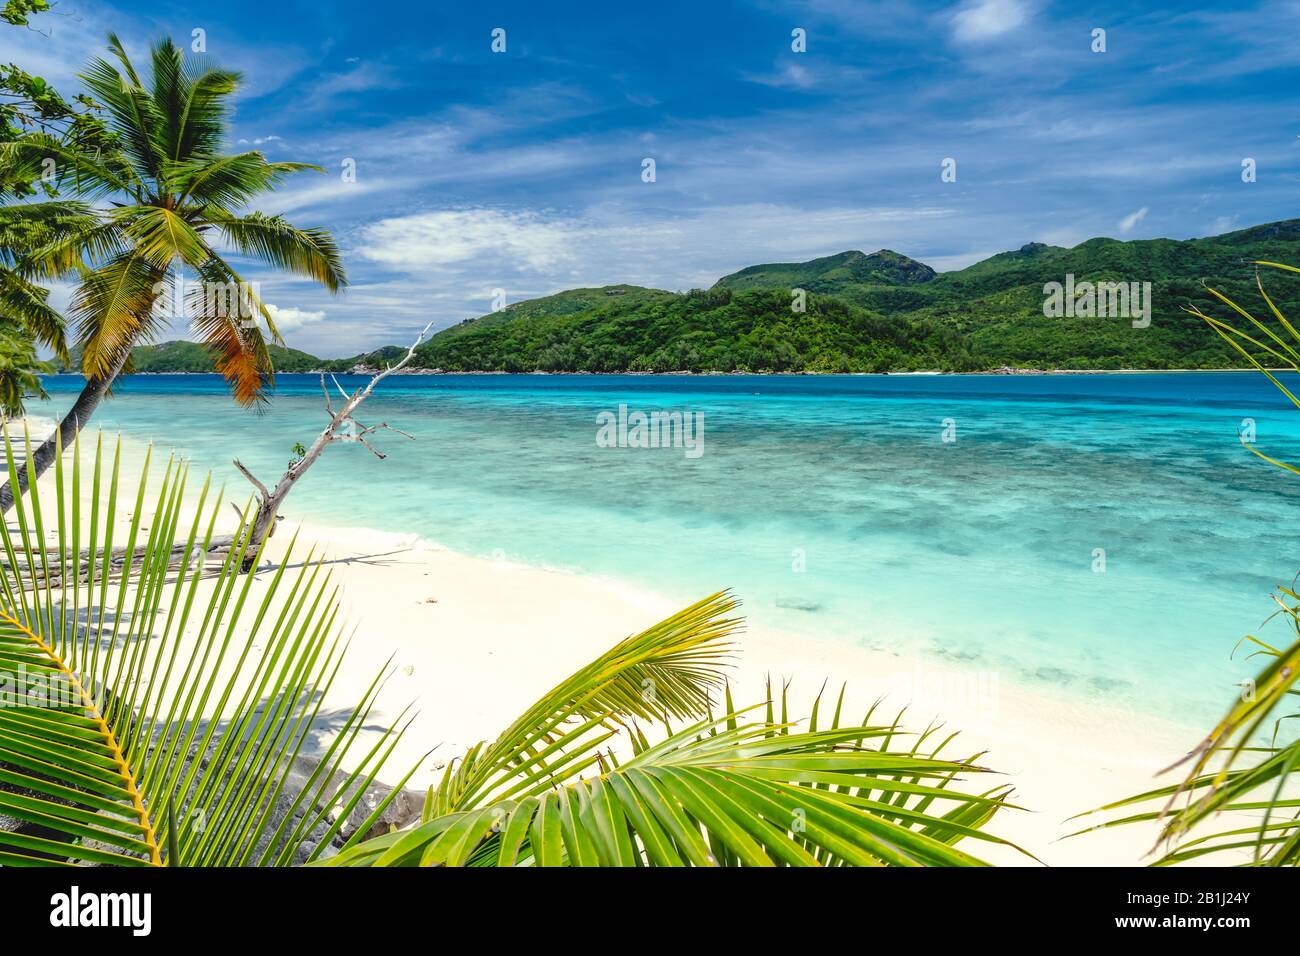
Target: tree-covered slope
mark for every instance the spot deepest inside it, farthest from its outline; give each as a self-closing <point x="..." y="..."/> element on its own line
<point x="714" y="330"/>
<point x="996" y="305"/>
<point x="183" y="356"/>
<point x="833" y="275"/>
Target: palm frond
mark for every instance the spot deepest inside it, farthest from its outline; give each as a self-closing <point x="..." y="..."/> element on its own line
<point x="194" y="104"/>
<point x="575" y="781"/>
<point x="94" y="176"/>
<point x="227" y="181"/>
<point x="723" y="791"/>
<point x="75" y="247"/>
<point x="20" y="372"/>
<point x="306" y="252"/>
<point x="159" y="703"/>
<point x="664" y="672"/>
<point x="132" y="113"/>
<point x="197" y="126"/>
<point x="161" y="236"/>
<point x="221" y="308"/>
<point x="113" y="311"/>
<point x="29" y="306"/>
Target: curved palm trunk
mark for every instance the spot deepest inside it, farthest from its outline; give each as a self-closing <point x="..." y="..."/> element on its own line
<point x="91" y="395"/>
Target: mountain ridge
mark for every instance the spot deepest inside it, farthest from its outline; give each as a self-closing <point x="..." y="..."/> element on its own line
<point x="882" y="311"/>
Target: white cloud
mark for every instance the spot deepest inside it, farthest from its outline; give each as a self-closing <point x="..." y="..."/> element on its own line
<point x="792" y="75"/>
<point x="1132" y="219"/>
<point x="429" y="239"/>
<point x="608" y="244"/>
<point x="289" y="319"/>
<point x="977" y="20"/>
<point x="1224" y="224"/>
<point x="323" y="192"/>
<point x="360" y="79"/>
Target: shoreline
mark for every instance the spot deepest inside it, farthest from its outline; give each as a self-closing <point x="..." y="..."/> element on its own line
<point x="473" y="641"/>
<point x="1005" y="370"/>
<point x="476" y="661"/>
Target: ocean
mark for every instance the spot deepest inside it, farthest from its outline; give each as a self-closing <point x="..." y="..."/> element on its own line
<point x="1103" y="536"/>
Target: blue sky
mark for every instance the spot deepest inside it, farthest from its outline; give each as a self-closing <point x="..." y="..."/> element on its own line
<point x="522" y="170"/>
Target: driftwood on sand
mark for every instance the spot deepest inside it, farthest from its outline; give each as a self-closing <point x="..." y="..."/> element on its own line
<point x="206" y="563"/>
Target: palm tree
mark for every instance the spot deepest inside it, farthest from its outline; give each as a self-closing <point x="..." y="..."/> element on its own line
<point x="26" y="317"/>
<point x="1244" y="771"/>
<point x="735" y="789"/>
<point x="29" y="103"/>
<point x="154" y="709"/>
<point x="148" y="212"/>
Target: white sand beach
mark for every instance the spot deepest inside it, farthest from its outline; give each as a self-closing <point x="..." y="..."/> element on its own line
<point x="476" y="641"/>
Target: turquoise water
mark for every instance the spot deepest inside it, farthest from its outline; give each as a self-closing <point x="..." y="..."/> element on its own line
<point x="980" y="551"/>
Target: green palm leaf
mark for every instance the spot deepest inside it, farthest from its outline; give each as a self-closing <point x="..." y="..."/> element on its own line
<point x="228" y="181"/>
<point x="306" y="252"/>
<point x="664" y="672"/>
<point x="113" y="308"/>
<point x="154" y="704"/>
<point x="709" y="796"/>
<point x="575" y="782"/>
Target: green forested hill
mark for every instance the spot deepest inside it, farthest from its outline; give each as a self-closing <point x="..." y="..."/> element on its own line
<point x="843" y="274"/>
<point x="717" y="329"/>
<point x="877" y="312"/>
<point x="996" y="305"/>
<point x="182" y="356"/>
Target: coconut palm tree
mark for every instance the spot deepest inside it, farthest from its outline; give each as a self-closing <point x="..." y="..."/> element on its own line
<point x="29" y="103"/>
<point x="167" y="203"/>
<point x="26" y="317"/>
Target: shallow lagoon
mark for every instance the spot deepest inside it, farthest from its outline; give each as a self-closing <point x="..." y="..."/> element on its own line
<point x="834" y="505"/>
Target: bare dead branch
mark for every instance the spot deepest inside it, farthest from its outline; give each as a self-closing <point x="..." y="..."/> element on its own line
<point x="342" y="427"/>
<point x="329" y="406"/>
<point x="261" y="488"/>
<point x="342" y="390"/>
<point x="366" y="430"/>
<point x="410" y="354"/>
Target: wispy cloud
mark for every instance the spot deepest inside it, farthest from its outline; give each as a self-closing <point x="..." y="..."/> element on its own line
<point x="977" y="20"/>
<point x="1127" y="224"/>
<point x="361" y="78"/>
<point x="790" y="75"/>
<point x="433" y="239"/>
